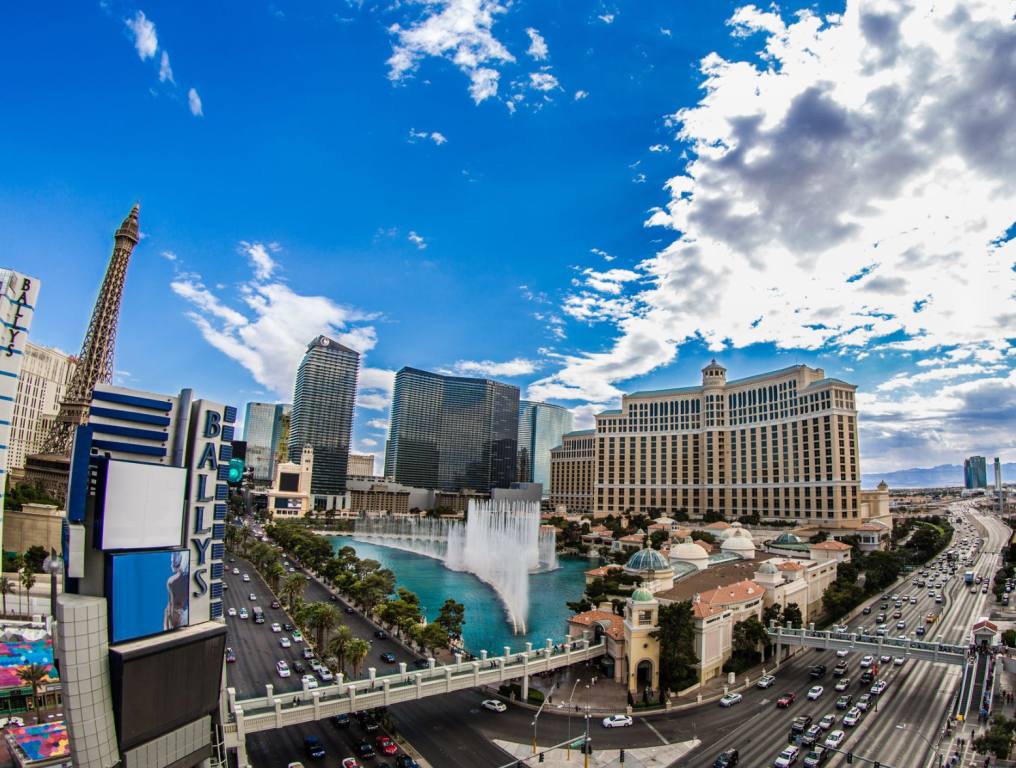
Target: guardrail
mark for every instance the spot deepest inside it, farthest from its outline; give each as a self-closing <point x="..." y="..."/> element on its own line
<point x="278" y="711"/>
<point x="871" y="644"/>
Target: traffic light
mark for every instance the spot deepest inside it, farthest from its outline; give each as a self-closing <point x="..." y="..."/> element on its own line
<point x="622" y="756"/>
<point x="850" y="758"/>
<point x="877" y="764"/>
<point x="541" y="757"/>
<point x="235" y="471"/>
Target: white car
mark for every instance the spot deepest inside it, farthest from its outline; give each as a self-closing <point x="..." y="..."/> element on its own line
<point x="617" y="721"/>
<point x="843" y="684"/>
<point x="309" y="681"/>
<point x="276" y="627"/>
<point x="246" y="577"/>
<point x="494" y="705"/>
<point x="834" y="739"/>
<point x="852" y="718"/>
<point x="815" y="691"/>
<point x="827" y="722"/>
<point x="283" y="669"/>
<point x="325" y="674"/>
<point x="236" y="571"/>
<point x="765" y="681"/>
<point x="787" y="757"/>
<point x="842" y="653"/>
<point x="730" y="699"/>
<point x="231" y="611"/>
<point x="898" y="661"/>
<point x="243" y="613"/>
<point x="284" y="642"/>
<point x="867" y="661"/>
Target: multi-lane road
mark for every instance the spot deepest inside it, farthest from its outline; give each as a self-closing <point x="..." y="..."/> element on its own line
<point x="453" y="731"/>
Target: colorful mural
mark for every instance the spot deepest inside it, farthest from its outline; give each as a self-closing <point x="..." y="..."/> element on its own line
<point x="45" y="741"/>
<point x="13" y="656"/>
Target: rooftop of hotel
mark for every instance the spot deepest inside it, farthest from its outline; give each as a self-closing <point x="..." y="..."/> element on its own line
<point x="719" y="575"/>
<point x="18" y="654"/>
<point x="589" y="618"/>
<point x="831" y="546"/>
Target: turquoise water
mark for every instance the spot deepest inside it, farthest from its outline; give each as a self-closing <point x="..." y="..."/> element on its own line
<point x="486" y="626"/>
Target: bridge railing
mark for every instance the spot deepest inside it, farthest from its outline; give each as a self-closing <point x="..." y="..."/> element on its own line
<point x="866" y="643"/>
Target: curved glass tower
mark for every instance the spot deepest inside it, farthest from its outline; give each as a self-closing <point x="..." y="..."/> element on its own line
<point x="541" y="427"/>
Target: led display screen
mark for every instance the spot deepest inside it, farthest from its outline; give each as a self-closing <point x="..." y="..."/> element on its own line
<point x="143" y="506"/>
<point x="148" y="593"/>
<point x="289" y="481"/>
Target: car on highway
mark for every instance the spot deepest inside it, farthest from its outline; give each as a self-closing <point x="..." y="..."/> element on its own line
<point x="901" y="624"/>
<point x="309" y="681"/>
<point x="298" y="667"/>
<point x="385" y="744"/>
<point x="786" y="700"/>
<point x="815" y="758"/>
<point x="276" y="627"/>
<point x="817" y="671"/>
<point x="842" y="653"/>
<point x="885" y="658"/>
<point x="244" y="614"/>
<point x="253" y="597"/>
<point x="864" y="702"/>
<point x="835" y="739"/>
<point x="494" y="705"/>
<point x="800" y="724"/>
<point x="308" y="653"/>
<point x="730" y="699"/>
<point x="230" y="656"/>
<point x="405" y="761"/>
<point x="313" y="747"/>
<point x="815" y="692"/>
<point x="843" y="702"/>
<point x="728" y="758"/>
<point x="380" y="634"/>
<point x="297" y="636"/>
<point x="351" y="762"/>
<point x="287" y="627"/>
<point x="236" y="571"/>
<point x="787" y="757"/>
<point x="325" y="674"/>
<point x="765" y="681"/>
<point x="867" y="610"/>
<point x="388" y="658"/>
<point x="246" y="578"/>
<point x="843" y="684"/>
<point x="283" y="669"/>
<point x="297" y="764"/>
<point x="364" y="750"/>
<point x="852" y="718"/>
<point x="879" y="687"/>
<point x="919" y="632"/>
<point x="284" y="642"/>
<point x="617" y="721"/>
<point x="231" y="611"/>
<point x="827" y="722"/>
<point x="868" y="677"/>
<point x="811" y="736"/>
<point x="349" y="610"/>
<point x="341" y="721"/>
<point x="276" y="604"/>
<point x="867" y="661"/>
<point x="840" y="669"/>
<point x="898" y="661"/>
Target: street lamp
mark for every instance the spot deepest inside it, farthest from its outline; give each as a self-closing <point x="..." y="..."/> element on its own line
<point x="571" y="698"/>
<point x="925" y="739"/>
<point x="53" y="565"/>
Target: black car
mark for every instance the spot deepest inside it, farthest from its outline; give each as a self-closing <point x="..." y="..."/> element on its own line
<point x="421" y="663"/>
<point x="349" y="610"/>
<point x="388" y="658"/>
<point x="287" y="627"/>
<point x="276" y="604"/>
<point x="381" y="634"/>
<point x="298" y="667"/>
<point x="727" y="759"/>
<point x="867" y="677"/>
<point x="341" y="721"/>
<point x="364" y="750"/>
<point x="801" y="723"/>
<point x="333" y="598"/>
<point x="867" y="610"/>
<point x="313" y="747"/>
<point x="370" y="724"/>
<point x="817" y="671"/>
<point x="405" y="761"/>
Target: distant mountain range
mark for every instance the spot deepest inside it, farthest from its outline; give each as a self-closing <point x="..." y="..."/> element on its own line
<point x="942" y="476"/>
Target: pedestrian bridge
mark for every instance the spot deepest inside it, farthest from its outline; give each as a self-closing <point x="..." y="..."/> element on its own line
<point x="876" y="645"/>
<point x="273" y="711"/>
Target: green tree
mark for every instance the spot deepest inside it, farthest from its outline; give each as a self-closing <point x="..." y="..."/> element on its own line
<point x="273" y="575"/>
<point x="34" y="557"/>
<point x="676" y="634"/>
<point x="881" y="569"/>
<point x="320" y="618"/>
<point x="6" y="588"/>
<point x="703" y="536"/>
<point x="658" y="538"/>
<point x="34" y="675"/>
<point x="431" y="637"/>
<point x="792" y="616"/>
<point x="292" y="588"/>
<point x="772" y="613"/>
<point x="997" y="740"/>
<point x="27" y="582"/>
<point x="357" y="651"/>
<point x="338" y="646"/>
<point x="452" y="617"/>
<point x="749" y="635"/>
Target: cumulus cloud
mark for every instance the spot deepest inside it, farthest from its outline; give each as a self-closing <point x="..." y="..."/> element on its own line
<point x="268" y="330"/>
<point x="517" y="367"/>
<point x="847" y="185"/>
<point x="659" y="148"/>
<point x="607" y="18"/>
<point x="378" y="424"/>
<point x="601" y="253"/>
<point x="146" y="42"/>
<point x="579" y="95"/>
<point x="194" y="102"/>
<point x="260" y="260"/>
<point x="417" y="240"/>
<point x="543" y="81"/>
<point x="458" y="31"/>
<point x="537" y="45"/>
<point x="436" y="137"/>
<point x="165" y="70"/>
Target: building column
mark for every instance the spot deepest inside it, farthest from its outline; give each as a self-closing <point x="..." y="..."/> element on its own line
<point x="525" y="687"/>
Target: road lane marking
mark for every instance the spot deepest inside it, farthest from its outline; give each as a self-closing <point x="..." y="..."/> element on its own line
<point x="653" y="729"/>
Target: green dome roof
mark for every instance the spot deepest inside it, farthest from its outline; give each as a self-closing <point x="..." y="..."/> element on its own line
<point x="648" y="560"/>
<point x="787" y="538"/>
<point x="641" y="595"/>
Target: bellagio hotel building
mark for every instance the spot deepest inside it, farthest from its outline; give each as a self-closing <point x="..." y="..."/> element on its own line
<point x="782" y="445"/>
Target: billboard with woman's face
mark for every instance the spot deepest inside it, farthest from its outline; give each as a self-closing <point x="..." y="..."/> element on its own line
<point x="148" y="593"/>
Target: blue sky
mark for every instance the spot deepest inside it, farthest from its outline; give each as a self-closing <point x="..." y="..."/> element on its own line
<point x="584" y="197"/>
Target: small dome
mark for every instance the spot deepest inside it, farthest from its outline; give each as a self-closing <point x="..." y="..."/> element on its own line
<point x="641" y="595"/>
<point x="787" y="538"/>
<point x="647" y="560"/>
<point x="735" y="533"/>
<point x="688" y="550"/>
<point x="768" y="568"/>
<point x="738" y="544"/>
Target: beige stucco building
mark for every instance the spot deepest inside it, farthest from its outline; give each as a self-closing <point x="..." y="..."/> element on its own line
<point x="571" y="471"/>
<point x="289" y="496"/>
<point x="33" y="525"/>
<point x="45" y="374"/>
<point x="360" y="465"/>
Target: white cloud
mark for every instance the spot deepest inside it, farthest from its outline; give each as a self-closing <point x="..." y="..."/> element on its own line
<point x="607" y="18"/>
<point x="458" y="31"/>
<point x="879" y="136"/>
<point x="257" y="254"/>
<point x="659" y="148"/>
<point x="610" y="281"/>
<point x="537" y="45"/>
<point x="168" y="255"/>
<point x="145" y="40"/>
<point x="665" y="32"/>
<point x="935" y="374"/>
<point x="417" y="240"/>
<point x="375" y="389"/>
<point x="437" y="138"/>
<point x="369" y="442"/>
<point x="269" y="332"/>
<point x="194" y="102"/>
<point x="543" y="81"/>
<point x="165" y="70"/>
<point x="378" y="424"/>
<point x="579" y="95"/>
<point x="601" y="253"/>
<point x="517" y="367"/>
<point x="639" y="178"/>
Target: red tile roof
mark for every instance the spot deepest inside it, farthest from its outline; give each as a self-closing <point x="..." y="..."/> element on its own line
<point x="832" y="546"/>
<point x="589" y="618"/>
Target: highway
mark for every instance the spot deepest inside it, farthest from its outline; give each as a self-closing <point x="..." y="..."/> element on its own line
<point x="454" y="732"/>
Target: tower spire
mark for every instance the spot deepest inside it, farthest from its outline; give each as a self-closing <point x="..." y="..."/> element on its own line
<point x="95" y="363"/>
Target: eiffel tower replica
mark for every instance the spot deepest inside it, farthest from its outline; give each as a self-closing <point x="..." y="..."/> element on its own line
<point x="94" y="366"/>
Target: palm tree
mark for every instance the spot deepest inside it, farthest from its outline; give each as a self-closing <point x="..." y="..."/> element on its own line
<point x="338" y="646"/>
<point x="273" y="573"/>
<point x="357" y="652"/>
<point x="292" y="588"/>
<point x="28" y="581"/>
<point x="6" y="588"/>
<point x="34" y="675"/>
<point x="320" y="618"/>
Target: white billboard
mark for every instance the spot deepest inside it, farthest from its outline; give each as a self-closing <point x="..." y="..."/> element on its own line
<point x="144" y="506"/>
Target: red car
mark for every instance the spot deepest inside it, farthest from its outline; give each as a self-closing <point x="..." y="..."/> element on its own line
<point x="786" y="700"/>
<point x="386" y="745"/>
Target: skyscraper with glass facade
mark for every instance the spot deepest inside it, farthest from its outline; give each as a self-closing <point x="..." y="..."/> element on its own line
<point x="541" y="426"/>
<point x="322" y="413"/>
<point x="450" y="432"/>
<point x="975" y="473"/>
<point x="262" y="429"/>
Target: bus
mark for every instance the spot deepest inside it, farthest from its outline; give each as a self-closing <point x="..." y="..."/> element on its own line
<point x="259" y="614"/>
<point x="968" y="577"/>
